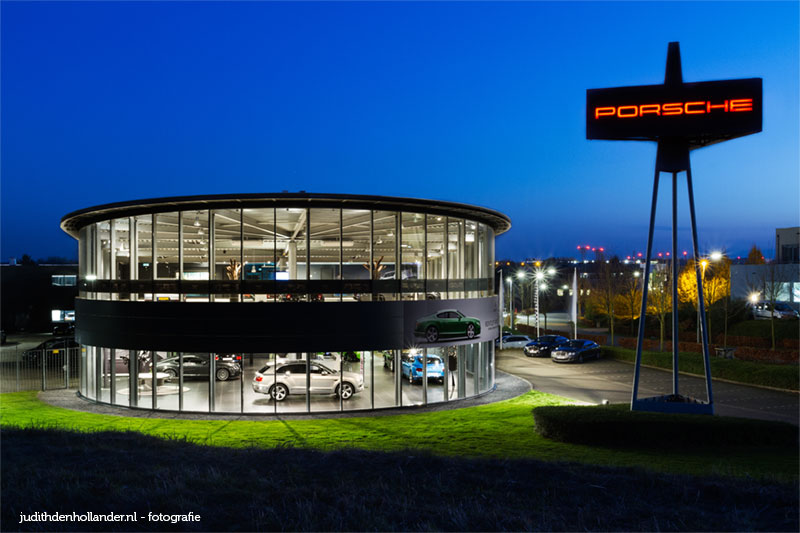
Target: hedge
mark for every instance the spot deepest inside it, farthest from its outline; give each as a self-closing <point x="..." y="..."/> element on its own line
<point x="618" y="426"/>
<point x="779" y="376"/>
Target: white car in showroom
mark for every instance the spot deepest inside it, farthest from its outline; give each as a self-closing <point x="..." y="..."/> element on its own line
<point x="290" y="378"/>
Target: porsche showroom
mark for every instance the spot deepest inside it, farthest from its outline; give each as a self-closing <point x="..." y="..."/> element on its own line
<point x="285" y="303"/>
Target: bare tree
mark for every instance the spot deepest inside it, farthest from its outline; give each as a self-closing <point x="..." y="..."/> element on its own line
<point x="660" y="299"/>
<point x="608" y="289"/>
<point x="632" y="294"/>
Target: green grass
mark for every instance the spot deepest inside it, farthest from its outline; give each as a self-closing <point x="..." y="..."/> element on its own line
<point x="748" y="372"/>
<point x="500" y="430"/>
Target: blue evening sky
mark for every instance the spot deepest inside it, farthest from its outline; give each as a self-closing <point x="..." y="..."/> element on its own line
<point x="481" y="103"/>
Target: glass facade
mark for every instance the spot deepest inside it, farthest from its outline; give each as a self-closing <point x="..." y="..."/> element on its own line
<point x="260" y="255"/>
<point x="252" y="254"/>
<point x="270" y="383"/>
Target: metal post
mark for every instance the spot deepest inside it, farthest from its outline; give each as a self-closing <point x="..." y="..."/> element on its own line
<point x="424" y="376"/>
<point x="43" y="362"/>
<point x="180" y="381"/>
<point x="17" y="357"/>
<point x="701" y="304"/>
<point x="537" y="306"/>
<point x="645" y="284"/>
<point x="674" y="283"/>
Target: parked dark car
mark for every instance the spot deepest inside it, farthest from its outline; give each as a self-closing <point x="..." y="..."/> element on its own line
<point x="542" y="346"/>
<point x="197" y="366"/>
<point x="575" y="351"/>
<point x="52" y="348"/>
<point x="64" y="328"/>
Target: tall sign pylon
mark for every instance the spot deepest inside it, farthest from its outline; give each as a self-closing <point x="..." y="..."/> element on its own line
<point x="680" y="117"/>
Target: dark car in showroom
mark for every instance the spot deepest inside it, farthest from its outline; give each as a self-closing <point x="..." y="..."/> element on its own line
<point x="576" y="351"/>
<point x="197" y="366"/>
<point x="542" y="346"/>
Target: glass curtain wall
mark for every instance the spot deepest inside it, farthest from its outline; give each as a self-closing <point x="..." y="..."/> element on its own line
<point x="357" y="262"/>
<point x="290" y="224"/>
<point x="227" y="250"/>
<point x="326" y="249"/>
<point x="384" y="254"/>
<point x="195" y="254"/>
<point x="258" y="230"/>
<point x="436" y="264"/>
<point x="144" y="256"/>
<point x="413" y="256"/>
<point x="166" y="255"/>
<point x="455" y="258"/>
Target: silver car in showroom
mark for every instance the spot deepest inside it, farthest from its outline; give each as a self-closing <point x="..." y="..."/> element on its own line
<point x="290" y="378"/>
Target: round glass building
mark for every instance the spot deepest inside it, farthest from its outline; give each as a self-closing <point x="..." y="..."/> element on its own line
<point x="285" y="303"/>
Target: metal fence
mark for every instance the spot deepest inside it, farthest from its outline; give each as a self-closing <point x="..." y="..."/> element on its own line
<point x="40" y="369"/>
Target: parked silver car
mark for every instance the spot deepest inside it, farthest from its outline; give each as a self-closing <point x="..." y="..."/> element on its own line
<point x="290" y="378"/>
<point x="781" y="311"/>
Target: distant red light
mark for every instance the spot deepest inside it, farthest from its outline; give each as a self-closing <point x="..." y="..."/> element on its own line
<point x="602" y="249"/>
<point x="659" y="254"/>
<point x="639" y="254"/>
<point x="579" y="247"/>
<point x="684" y="253"/>
<point x="667" y="254"/>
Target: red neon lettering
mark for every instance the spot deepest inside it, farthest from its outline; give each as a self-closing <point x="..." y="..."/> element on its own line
<point x="742" y="104"/>
<point x="696" y="111"/>
<point x="710" y="106"/>
<point x="672" y="109"/>
<point x="654" y="109"/>
<point x="604" y="112"/>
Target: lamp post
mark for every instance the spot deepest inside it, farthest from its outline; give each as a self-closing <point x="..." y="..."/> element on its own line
<point x="510" y="303"/>
<point x="539" y="277"/>
<point x="521" y="275"/>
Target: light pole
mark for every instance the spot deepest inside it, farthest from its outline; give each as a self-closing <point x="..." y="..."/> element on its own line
<point x="539" y="277"/>
<point x="510" y="303"/>
<point x="521" y="275"/>
<point x="703" y="265"/>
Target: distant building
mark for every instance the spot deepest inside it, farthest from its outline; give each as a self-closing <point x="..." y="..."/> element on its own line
<point x="787" y="245"/>
<point x="748" y="280"/>
<point x="37" y="296"/>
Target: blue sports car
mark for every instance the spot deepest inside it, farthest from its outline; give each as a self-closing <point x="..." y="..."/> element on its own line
<point x="412" y="368"/>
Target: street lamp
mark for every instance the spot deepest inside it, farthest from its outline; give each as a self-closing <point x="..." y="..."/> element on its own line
<point x="522" y="275"/>
<point x="539" y="277"/>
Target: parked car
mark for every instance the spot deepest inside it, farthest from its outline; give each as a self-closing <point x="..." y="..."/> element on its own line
<point x="575" y="351"/>
<point x="781" y="311"/>
<point x="515" y="341"/>
<point x="542" y="346"/>
<point x="411" y="367"/>
<point x="51" y="347"/>
<point x="290" y="378"/>
<point x="64" y="328"/>
<point x="197" y="366"/>
<point x="447" y="323"/>
<point x="229" y="358"/>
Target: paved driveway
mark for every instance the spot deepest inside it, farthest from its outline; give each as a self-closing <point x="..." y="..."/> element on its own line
<point x="598" y="380"/>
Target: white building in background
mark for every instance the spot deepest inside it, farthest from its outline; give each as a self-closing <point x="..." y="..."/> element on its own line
<point x="787" y="245"/>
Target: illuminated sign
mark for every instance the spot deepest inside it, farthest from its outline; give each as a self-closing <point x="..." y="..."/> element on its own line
<point x="702" y="113"/>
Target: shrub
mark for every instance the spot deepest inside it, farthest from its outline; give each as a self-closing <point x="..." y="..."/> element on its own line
<point x="616" y="425"/>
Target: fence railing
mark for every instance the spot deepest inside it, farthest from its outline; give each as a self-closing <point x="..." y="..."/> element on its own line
<point x="22" y="370"/>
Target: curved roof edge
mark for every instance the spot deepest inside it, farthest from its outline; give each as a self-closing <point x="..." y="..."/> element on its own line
<point x="72" y="222"/>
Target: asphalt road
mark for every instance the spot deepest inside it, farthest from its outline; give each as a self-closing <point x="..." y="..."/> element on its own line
<point x="598" y="380"/>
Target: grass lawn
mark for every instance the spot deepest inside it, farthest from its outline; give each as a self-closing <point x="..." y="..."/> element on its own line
<point x="252" y="489"/>
<point x="748" y="372"/>
<point x="501" y="430"/>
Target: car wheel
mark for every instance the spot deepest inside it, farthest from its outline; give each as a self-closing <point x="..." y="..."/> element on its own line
<point x="410" y="378"/>
<point x="222" y="374"/>
<point x="432" y="334"/>
<point x="470" y="331"/>
<point x="347" y="391"/>
<point x="279" y="392"/>
<point x="171" y="373"/>
<point x="580" y="358"/>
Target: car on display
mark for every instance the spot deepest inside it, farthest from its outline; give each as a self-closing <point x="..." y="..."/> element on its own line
<point x="542" y="346"/>
<point x="197" y="366"/>
<point x="281" y="380"/>
<point x="447" y="323"/>
<point x="514" y="341"/>
<point x="765" y="311"/>
<point x="411" y="368"/>
<point x="51" y="347"/>
<point x="575" y="351"/>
